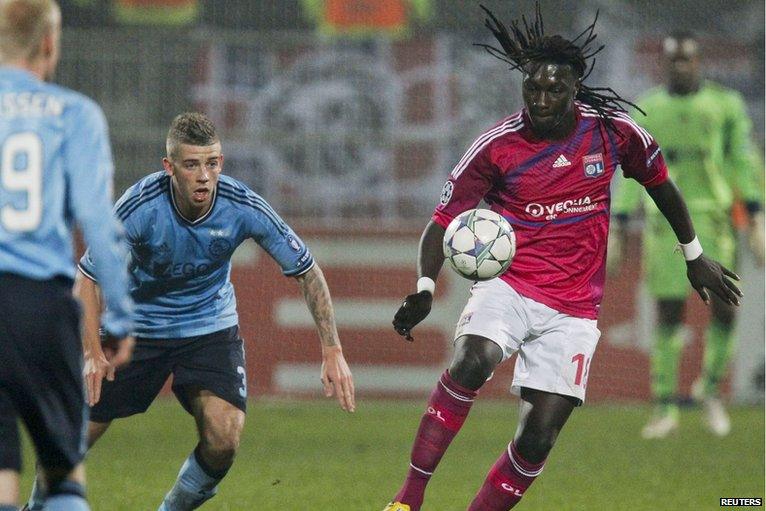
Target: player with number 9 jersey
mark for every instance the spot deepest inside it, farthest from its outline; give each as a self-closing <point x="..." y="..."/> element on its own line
<point x="55" y="172"/>
<point x="56" y="169"/>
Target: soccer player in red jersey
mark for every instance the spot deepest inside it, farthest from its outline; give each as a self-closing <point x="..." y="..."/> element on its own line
<point x="547" y="170"/>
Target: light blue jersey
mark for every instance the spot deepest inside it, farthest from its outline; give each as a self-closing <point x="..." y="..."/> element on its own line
<point x="55" y="168"/>
<point x="180" y="270"/>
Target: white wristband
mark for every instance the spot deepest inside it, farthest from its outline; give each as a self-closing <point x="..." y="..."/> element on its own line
<point x="426" y="284"/>
<point x="691" y="250"/>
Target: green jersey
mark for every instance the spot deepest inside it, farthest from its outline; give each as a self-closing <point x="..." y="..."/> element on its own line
<point x="705" y="139"/>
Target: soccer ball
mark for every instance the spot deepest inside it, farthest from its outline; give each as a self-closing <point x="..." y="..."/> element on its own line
<point x="479" y="244"/>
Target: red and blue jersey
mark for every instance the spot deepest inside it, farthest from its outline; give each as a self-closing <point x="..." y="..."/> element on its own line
<point x="556" y="196"/>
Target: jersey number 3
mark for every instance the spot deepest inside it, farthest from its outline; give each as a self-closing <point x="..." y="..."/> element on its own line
<point x="21" y="170"/>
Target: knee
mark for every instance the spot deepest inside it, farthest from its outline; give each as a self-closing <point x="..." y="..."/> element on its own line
<point x="221" y="436"/>
<point x="467" y="363"/>
<point x="535" y="443"/>
<point x="474" y="360"/>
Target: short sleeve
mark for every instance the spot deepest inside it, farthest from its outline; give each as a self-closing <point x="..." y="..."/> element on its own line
<point x="268" y="229"/>
<point x="640" y="155"/>
<point x="468" y="183"/>
<point x="86" y="266"/>
<point x="128" y="227"/>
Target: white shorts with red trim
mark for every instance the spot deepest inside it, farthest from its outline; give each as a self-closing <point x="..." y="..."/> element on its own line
<point x="554" y="349"/>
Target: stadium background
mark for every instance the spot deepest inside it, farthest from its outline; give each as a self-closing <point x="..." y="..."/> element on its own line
<point x="350" y="138"/>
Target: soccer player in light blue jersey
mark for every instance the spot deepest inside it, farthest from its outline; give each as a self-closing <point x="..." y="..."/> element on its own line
<point x="55" y="170"/>
<point x="182" y="227"/>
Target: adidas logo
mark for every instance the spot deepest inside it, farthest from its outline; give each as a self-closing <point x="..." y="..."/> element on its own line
<point x="561" y="161"/>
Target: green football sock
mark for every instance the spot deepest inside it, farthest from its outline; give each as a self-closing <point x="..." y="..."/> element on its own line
<point x="719" y="346"/>
<point x="668" y="344"/>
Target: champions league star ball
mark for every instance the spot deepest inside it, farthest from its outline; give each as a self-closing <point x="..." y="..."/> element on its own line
<point x="479" y="244"/>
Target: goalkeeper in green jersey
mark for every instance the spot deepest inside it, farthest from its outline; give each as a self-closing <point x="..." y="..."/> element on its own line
<point x="704" y="131"/>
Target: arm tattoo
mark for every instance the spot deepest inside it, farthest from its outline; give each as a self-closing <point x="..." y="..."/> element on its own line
<point x="317" y="295"/>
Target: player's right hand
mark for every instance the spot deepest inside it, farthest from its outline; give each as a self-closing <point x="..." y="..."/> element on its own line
<point x="414" y="310"/>
<point x="102" y="362"/>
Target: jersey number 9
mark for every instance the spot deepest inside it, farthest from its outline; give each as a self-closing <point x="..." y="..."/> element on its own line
<point x="21" y="170"/>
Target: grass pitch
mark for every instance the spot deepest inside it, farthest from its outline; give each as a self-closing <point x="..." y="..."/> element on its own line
<point x="311" y="456"/>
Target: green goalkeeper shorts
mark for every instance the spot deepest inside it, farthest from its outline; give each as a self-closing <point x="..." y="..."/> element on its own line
<point x="665" y="271"/>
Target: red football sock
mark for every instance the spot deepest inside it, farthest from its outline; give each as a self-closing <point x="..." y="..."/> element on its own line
<point x="447" y="409"/>
<point x="506" y="482"/>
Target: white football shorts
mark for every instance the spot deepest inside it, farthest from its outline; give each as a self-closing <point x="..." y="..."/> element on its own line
<point x="554" y="349"/>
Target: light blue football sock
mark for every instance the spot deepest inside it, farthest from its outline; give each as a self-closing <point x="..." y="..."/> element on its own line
<point x="37" y="497"/>
<point x="192" y="488"/>
<point x="5" y="507"/>
<point x="66" y="496"/>
<point x="66" y="502"/>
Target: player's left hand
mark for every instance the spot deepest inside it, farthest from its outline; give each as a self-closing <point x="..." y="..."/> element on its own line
<point x="337" y="378"/>
<point x="118" y="351"/>
<point x="413" y="310"/>
<point x="709" y="275"/>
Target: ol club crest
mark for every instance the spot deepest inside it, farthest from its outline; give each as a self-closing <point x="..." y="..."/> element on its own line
<point x="593" y="165"/>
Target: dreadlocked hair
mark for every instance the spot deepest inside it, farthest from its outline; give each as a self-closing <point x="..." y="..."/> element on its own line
<point x="526" y="43"/>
